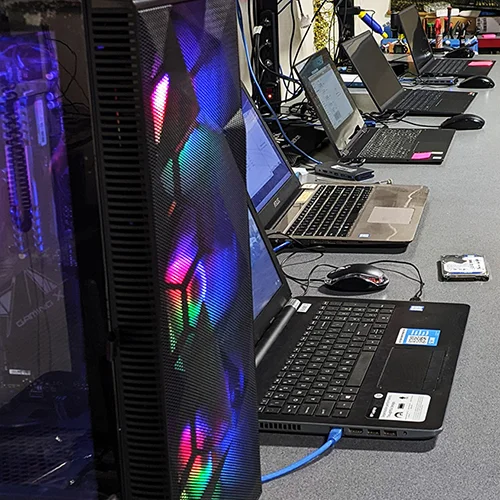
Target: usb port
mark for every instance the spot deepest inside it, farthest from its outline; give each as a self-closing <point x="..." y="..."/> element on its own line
<point x="390" y="433"/>
<point x="372" y="432"/>
<point x="356" y="431"/>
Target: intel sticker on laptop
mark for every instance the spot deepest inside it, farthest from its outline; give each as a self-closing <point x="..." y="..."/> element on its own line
<point x="414" y="336"/>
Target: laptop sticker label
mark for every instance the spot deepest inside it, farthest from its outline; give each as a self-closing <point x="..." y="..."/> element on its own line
<point x="483" y="64"/>
<point x="304" y="308"/>
<point x="402" y="407"/>
<point x="422" y="156"/>
<point x="417" y="308"/>
<point x="364" y="235"/>
<point x="415" y="336"/>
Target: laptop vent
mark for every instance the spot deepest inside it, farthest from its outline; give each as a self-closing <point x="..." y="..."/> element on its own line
<point x="129" y="246"/>
<point x="275" y="426"/>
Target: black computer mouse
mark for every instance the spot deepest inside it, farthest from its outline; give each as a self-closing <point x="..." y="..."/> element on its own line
<point x="357" y="278"/>
<point x="477" y="82"/>
<point x="463" y="122"/>
<point x="461" y="53"/>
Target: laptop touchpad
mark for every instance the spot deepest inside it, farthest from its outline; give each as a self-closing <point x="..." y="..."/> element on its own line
<point x="391" y="215"/>
<point x="412" y="368"/>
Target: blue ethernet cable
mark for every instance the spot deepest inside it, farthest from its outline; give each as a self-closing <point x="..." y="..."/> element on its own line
<point x="280" y="247"/>
<point x="333" y="438"/>
<point x="254" y="78"/>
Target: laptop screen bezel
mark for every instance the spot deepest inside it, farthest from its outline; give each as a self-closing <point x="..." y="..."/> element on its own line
<point x="281" y="296"/>
<point x="406" y="14"/>
<point x="341" y="137"/>
<point x="355" y="53"/>
<point x="271" y="211"/>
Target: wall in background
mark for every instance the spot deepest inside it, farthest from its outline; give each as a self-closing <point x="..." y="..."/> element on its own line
<point x="285" y="27"/>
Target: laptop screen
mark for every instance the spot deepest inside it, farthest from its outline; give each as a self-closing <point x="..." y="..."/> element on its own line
<point x="373" y="68"/>
<point x="331" y="99"/>
<point x="265" y="279"/>
<point x="267" y="171"/>
<point x="415" y="36"/>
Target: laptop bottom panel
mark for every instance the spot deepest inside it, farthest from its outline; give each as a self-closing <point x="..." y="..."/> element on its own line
<point x="374" y="368"/>
<point x="418" y="146"/>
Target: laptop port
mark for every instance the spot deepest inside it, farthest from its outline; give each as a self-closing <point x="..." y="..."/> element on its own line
<point x="372" y="432"/>
<point x="355" y="431"/>
<point x="390" y="433"/>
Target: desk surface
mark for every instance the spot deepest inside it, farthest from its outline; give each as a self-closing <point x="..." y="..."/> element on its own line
<point x="462" y="216"/>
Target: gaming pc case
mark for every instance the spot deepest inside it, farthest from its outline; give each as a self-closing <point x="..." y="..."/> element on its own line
<point x="139" y="362"/>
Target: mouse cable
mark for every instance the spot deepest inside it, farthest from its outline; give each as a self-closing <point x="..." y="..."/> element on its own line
<point x="333" y="438"/>
<point x="418" y="296"/>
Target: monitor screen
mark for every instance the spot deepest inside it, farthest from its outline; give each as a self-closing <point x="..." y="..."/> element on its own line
<point x="373" y="68"/>
<point x="330" y="98"/>
<point x="415" y="36"/>
<point x="267" y="170"/>
<point x="265" y="279"/>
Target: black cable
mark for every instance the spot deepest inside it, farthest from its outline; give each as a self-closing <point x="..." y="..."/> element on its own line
<point x="306" y="33"/>
<point x="258" y="50"/>
<point x="418" y="296"/>
<point x="422" y="125"/>
<point x="311" y="272"/>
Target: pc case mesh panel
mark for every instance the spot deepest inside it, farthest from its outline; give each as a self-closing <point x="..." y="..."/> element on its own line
<point x="180" y="286"/>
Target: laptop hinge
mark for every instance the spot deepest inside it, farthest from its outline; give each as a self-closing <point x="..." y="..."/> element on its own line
<point x="357" y="136"/>
<point x="276" y="328"/>
<point x="394" y="99"/>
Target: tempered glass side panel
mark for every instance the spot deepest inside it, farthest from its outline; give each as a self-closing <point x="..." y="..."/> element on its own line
<point x="46" y="443"/>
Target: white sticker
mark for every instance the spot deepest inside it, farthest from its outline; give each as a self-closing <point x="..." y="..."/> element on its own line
<point x="364" y="235"/>
<point x="403" y="407"/>
<point x="417" y="308"/>
<point x="20" y="372"/>
<point x="309" y="186"/>
<point x="304" y="308"/>
<point x="471" y="264"/>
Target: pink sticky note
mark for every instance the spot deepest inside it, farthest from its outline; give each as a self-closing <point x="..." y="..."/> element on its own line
<point x="489" y="35"/>
<point x="421" y="156"/>
<point x="481" y="63"/>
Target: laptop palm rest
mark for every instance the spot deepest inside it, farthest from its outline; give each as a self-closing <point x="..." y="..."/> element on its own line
<point x="410" y="369"/>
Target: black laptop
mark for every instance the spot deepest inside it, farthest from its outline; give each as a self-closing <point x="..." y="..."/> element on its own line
<point x="324" y="213"/>
<point x="423" y="58"/>
<point x="375" y="368"/>
<point x="347" y="131"/>
<point x="386" y="91"/>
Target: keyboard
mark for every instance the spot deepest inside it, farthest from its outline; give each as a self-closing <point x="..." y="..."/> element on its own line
<point x="397" y="143"/>
<point x="324" y="373"/>
<point x="447" y="66"/>
<point x="421" y="100"/>
<point x="332" y="211"/>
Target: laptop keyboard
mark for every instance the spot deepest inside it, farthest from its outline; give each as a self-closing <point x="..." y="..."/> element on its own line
<point x="421" y="100"/>
<point x="332" y="211"/>
<point x="444" y="66"/>
<point x="323" y="374"/>
<point x="397" y="143"/>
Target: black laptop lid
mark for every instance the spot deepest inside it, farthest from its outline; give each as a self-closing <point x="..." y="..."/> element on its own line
<point x="270" y="179"/>
<point x="373" y="68"/>
<point x="332" y="101"/>
<point x="269" y="286"/>
<point x="421" y="51"/>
